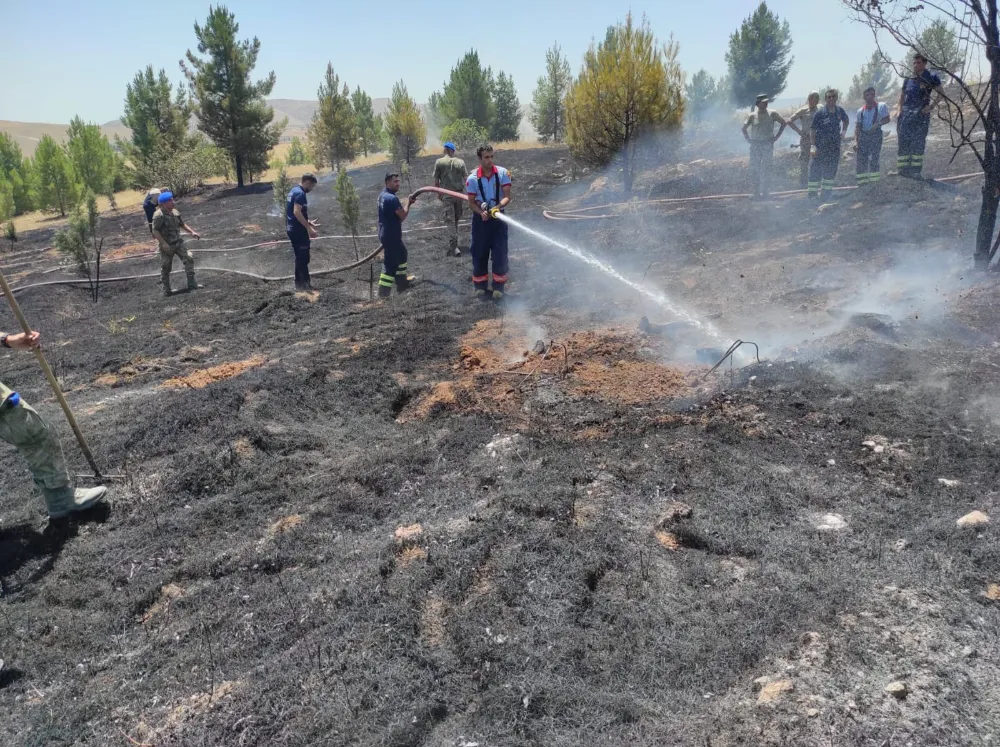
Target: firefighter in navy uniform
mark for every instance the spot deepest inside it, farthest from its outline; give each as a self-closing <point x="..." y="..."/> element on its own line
<point x="391" y="214"/>
<point x="914" y="117"/>
<point x="829" y="125"/>
<point x="488" y="188"/>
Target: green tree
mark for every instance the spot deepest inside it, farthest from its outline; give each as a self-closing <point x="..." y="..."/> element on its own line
<point x="10" y="154"/>
<point x="702" y="94"/>
<point x="296" y="153"/>
<point x="7" y="207"/>
<point x="406" y="130"/>
<point x="182" y="170"/>
<point x="877" y="72"/>
<point x="369" y="126"/>
<point x="548" y="104"/>
<point x="231" y="109"/>
<point x="92" y="156"/>
<point x="82" y="242"/>
<point x="157" y="117"/>
<point x="333" y="134"/>
<point x="465" y="134"/>
<point x="350" y="207"/>
<point x="24" y="182"/>
<point x="58" y="185"/>
<point x="507" y="110"/>
<point x="629" y="85"/>
<point x="281" y="186"/>
<point x="758" y="56"/>
<point x="468" y="94"/>
<point x="10" y="233"/>
<point x="939" y="44"/>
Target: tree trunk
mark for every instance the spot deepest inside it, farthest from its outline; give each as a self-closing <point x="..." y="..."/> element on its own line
<point x="239" y="171"/>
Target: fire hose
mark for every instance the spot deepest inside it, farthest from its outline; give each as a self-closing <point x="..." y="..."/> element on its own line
<point x="244" y="273"/>
<point x="578" y="213"/>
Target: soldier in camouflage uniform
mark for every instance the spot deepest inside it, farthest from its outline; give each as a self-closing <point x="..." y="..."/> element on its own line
<point x="450" y="173"/>
<point x="167" y="227"/>
<point x="24" y="429"/>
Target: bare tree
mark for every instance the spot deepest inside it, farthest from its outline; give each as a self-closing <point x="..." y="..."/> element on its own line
<point x="971" y="106"/>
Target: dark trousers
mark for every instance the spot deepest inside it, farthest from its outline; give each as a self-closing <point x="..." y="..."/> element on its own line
<point x="912" y="128"/>
<point x="393" y="264"/>
<point x="869" y="153"/>
<point x="489" y="242"/>
<point x="823" y="168"/>
<point x="300" y="247"/>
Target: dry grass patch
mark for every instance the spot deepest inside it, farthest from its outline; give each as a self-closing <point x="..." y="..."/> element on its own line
<point x="203" y="377"/>
<point x="168" y="594"/>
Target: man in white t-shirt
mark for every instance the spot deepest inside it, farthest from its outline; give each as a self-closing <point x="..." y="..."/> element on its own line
<point x="868" y="137"/>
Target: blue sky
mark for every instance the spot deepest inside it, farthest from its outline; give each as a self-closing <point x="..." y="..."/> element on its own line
<point x="65" y="58"/>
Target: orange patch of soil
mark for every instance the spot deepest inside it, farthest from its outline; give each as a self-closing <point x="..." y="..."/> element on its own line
<point x="203" y="377"/>
<point x="492" y="372"/>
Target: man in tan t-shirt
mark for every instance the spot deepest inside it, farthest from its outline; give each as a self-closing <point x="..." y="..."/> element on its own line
<point x="450" y="173"/>
<point x="804" y="117"/>
<point x="759" y="132"/>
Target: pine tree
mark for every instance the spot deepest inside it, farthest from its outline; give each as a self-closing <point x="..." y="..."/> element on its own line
<point x="296" y="153"/>
<point x="758" y="56"/>
<point x="231" y="109"/>
<point x="10" y="154"/>
<point x="468" y="94"/>
<point x="7" y="208"/>
<point x="157" y="117"/>
<point x="350" y="207"/>
<point x="81" y="241"/>
<point x="507" y="110"/>
<point x="10" y="233"/>
<point x="281" y="186"/>
<point x="878" y="73"/>
<point x="368" y="125"/>
<point x="406" y="130"/>
<point x="548" y="107"/>
<point x="58" y="185"/>
<point x="333" y="134"/>
<point x="629" y="85"/>
<point x="92" y="156"/>
<point x="939" y="44"/>
<point x="701" y="94"/>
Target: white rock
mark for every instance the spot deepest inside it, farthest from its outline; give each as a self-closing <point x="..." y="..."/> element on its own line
<point x="831" y="462"/>
<point x="949" y="483"/>
<point x="973" y="519"/>
<point x="898" y="690"/>
<point x="830" y="523"/>
<point x="878" y="448"/>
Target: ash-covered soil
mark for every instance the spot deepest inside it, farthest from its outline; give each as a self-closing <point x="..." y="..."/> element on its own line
<point x="431" y="521"/>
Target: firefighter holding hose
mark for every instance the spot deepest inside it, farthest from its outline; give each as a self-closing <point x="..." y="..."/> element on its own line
<point x="488" y="190"/>
<point x="24" y="429"/>
<point x="391" y="214"/>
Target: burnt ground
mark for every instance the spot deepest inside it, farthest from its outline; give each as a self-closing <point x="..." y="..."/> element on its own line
<point x="400" y="523"/>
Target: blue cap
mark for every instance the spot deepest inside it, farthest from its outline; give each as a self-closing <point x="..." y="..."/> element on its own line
<point x="165" y="197"/>
<point x="451" y="145"/>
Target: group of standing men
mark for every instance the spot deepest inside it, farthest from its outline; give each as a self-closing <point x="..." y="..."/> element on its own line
<point x="822" y="129"/>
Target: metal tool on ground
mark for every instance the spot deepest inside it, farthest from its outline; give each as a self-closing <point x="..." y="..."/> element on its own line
<point x="732" y="349"/>
<point x="53" y="382"/>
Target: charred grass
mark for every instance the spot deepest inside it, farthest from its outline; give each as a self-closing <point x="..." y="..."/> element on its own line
<point x="250" y="586"/>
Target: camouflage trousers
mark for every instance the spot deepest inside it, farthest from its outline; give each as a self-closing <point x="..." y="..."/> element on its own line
<point x="452" y="214"/>
<point x="23" y="428"/>
<point x="167" y="255"/>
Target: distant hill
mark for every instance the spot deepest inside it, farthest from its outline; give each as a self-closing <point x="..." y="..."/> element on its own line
<point x="299" y="113"/>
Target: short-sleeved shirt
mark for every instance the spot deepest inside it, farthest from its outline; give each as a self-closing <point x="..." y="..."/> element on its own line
<point x="761" y="124"/>
<point x="917" y="91"/>
<point x="805" y="116"/>
<point x="169" y="226"/>
<point x="390" y="227"/>
<point x="450" y="172"/>
<point x="826" y="125"/>
<point x="869" y="118"/>
<point x="297" y="196"/>
<point x="491" y="191"/>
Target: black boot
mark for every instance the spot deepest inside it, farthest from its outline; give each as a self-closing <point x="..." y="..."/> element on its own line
<point x="192" y="285"/>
